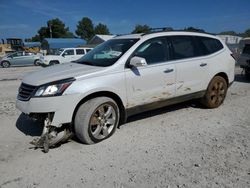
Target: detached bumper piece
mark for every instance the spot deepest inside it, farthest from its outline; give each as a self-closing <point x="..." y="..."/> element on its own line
<point x="51" y="136"/>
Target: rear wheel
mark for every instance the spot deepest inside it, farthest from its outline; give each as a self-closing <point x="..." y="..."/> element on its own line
<point x="5" y="64"/>
<point x="96" y="120"/>
<point x="216" y="92"/>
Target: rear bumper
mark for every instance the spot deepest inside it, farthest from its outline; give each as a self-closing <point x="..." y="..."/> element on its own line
<point x="62" y="106"/>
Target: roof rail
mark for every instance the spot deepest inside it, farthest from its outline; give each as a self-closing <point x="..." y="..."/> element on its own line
<point x="169" y="29"/>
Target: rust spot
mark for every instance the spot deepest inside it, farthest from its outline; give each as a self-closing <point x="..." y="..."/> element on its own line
<point x="169" y="84"/>
<point x="188" y="89"/>
<point x="130" y="105"/>
<point x="180" y="86"/>
<point x="166" y="93"/>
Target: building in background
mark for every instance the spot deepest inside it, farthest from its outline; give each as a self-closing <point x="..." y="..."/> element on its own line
<point x="33" y="47"/>
<point x="98" y="39"/>
<point x="51" y="44"/>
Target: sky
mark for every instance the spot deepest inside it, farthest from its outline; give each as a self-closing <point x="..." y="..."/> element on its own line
<point x="23" y="18"/>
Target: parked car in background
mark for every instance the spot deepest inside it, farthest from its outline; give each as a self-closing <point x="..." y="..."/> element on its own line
<point x="124" y="76"/>
<point x="20" y="59"/>
<point x="244" y="59"/>
<point x="64" y="55"/>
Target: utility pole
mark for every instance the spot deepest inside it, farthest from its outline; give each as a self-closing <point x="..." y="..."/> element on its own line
<point x="50" y="30"/>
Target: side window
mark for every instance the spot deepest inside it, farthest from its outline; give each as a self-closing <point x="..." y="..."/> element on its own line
<point x="18" y="54"/>
<point x="87" y="50"/>
<point x="80" y="52"/>
<point x="69" y="52"/>
<point x="28" y="54"/>
<point x="153" y="50"/>
<point x="246" y="49"/>
<point x="209" y="45"/>
<point x="183" y="47"/>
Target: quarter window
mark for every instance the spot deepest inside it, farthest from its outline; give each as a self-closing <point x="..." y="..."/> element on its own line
<point x="183" y="47"/>
<point x="209" y="45"/>
<point x="154" y="51"/>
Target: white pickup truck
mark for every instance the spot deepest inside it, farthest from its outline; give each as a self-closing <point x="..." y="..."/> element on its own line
<point x="63" y="55"/>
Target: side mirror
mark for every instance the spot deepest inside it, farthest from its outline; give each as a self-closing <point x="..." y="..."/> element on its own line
<point x="63" y="54"/>
<point x="137" y="62"/>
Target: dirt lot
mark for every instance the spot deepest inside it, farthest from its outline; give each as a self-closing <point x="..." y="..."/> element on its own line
<point x="178" y="146"/>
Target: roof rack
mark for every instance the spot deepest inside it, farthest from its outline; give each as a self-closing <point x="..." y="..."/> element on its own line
<point x="169" y="29"/>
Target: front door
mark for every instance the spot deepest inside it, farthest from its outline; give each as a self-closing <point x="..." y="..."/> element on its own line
<point x="155" y="81"/>
<point x="68" y="56"/>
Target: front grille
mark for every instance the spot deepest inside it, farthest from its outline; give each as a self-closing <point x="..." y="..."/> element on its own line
<point x="25" y="92"/>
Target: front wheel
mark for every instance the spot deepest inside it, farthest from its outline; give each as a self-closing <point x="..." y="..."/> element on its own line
<point x="216" y="92"/>
<point x="96" y="120"/>
<point x="5" y="64"/>
<point x="37" y="62"/>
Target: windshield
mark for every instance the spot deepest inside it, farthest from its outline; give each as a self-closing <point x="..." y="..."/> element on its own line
<point x="56" y="52"/>
<point x="107" y="53"/>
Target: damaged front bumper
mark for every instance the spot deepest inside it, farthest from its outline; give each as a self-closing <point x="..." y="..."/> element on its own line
<point x="61" y="108"/>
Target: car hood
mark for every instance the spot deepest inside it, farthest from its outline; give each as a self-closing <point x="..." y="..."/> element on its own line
<point x="59" y="72"/>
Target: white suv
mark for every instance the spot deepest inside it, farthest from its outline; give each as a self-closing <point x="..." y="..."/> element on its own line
<point x="63" y="55"/>
<point x="124" y="76"/>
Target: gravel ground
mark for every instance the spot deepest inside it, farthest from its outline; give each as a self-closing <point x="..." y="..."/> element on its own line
<point x="178" y="146"/>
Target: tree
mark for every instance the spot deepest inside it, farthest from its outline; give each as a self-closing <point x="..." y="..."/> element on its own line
<point x="101" y="29"/>
<point x="141" y="29"/>
<point x="228" y="33"/>
<point x="55" y="28"/>
<point x="85" y="28"/>
<point x="247" y="33"/>
<point x="194" y="29"/>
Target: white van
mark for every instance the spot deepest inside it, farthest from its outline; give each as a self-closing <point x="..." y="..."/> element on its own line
<point x="63" y="55"/>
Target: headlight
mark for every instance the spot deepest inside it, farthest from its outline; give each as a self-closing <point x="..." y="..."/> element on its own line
<point x="54" y="88"/>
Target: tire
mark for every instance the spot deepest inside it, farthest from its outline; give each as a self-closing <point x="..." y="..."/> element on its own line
<point x="53" y="63"/>
<point x="216" y="92"/>
<point x="5" y="64"/>
<point x="90" y="123"/>
<point x="37" y="62"/>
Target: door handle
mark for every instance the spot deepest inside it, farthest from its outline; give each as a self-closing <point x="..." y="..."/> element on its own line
<point x="203" y="64"/>
<point x="168" y="70"/>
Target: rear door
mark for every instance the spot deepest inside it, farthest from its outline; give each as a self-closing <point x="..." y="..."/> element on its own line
<point x="155" y="81"/>
<point x="80" y="52"/>
<point x="191" y="68"/>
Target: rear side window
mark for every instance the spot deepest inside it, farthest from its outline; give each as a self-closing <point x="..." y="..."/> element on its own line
<point x="80" y="51"/>
<point x="183" y="47"/>
<point x="209" y="45"/>
<point x="246" y="49"/>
